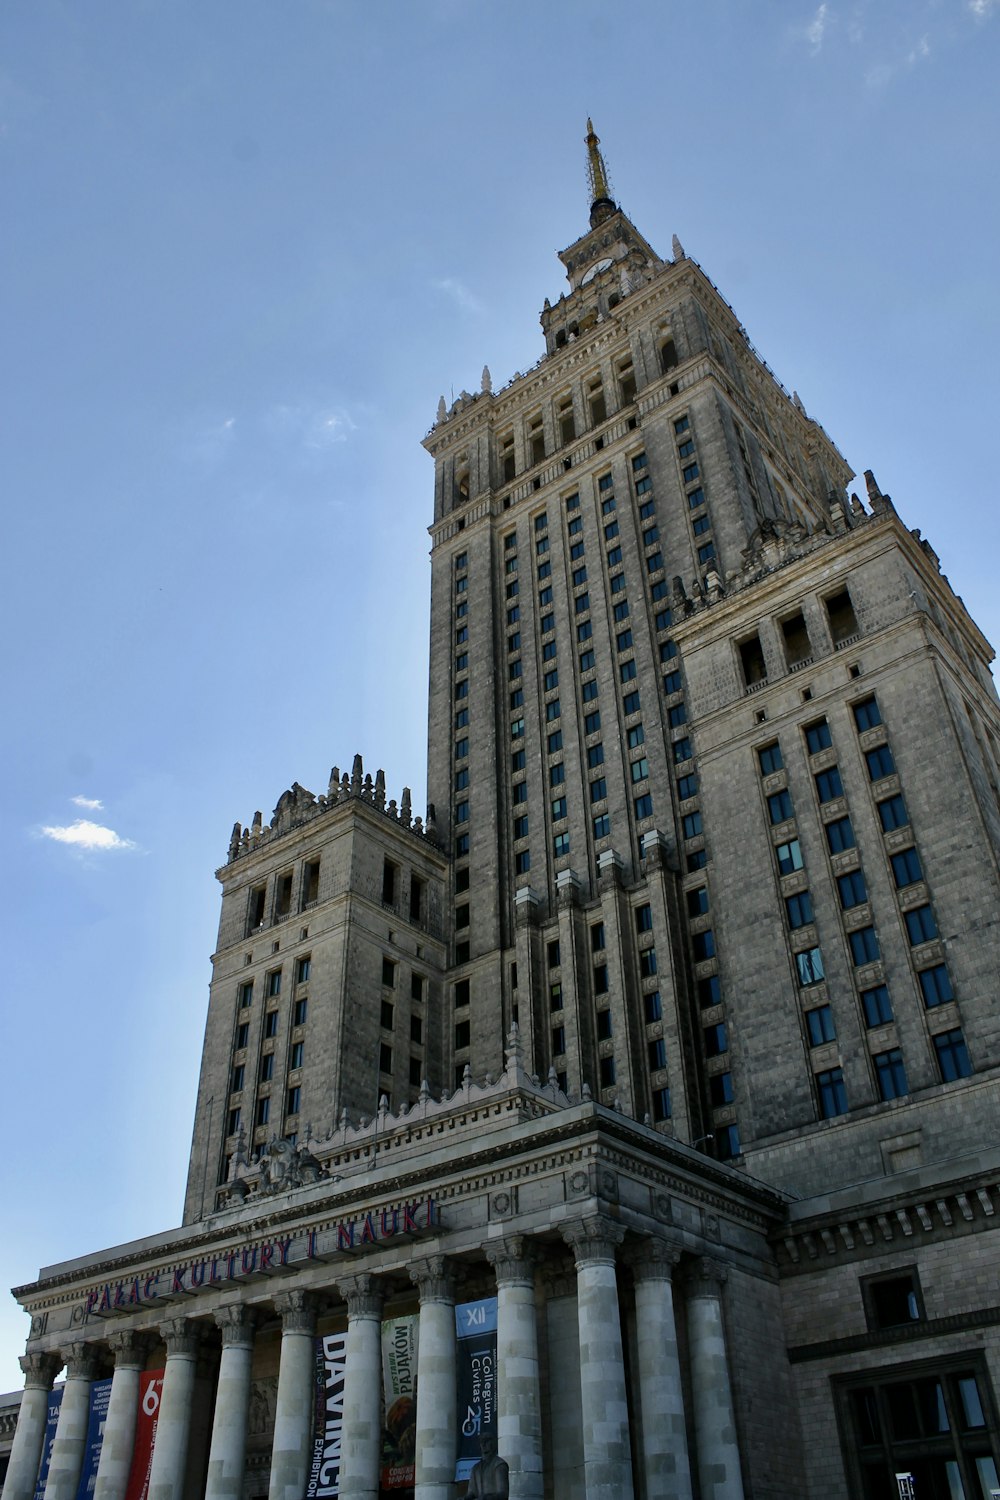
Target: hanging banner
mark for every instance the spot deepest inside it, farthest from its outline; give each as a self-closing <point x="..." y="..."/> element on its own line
<point x="476" y="1331"/>
<point x="399" y="1388"/>
<point x="51" y="1422"/>
<point x="328" y="1416"/>
<point x="100" y="1396"/>
<point x="150" y="1394"/>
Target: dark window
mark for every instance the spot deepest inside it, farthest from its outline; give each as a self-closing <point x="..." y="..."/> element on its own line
<point x="462" y="915"/>
<point x="274" y="982"/>
<point x="892" y="813"/>
<point x="879" y="762"/>
<point x="242" y="1034"/>
<point x="554" y="742"/>
<point x="891" y="1301"/>
<point x="676" y="716"/>
<point x="560" y="845"/>
<point x="661" y="1104"/>
<point x="779" y="806"/>
<point x="555" y="996"/>
<point x="866" y="714"/>
<point x="597" y="937"/>
<point x="820" y="1025"/>
<point x="799" y="909"/>
<point x="818" y="737"/>
<point x="643" y="806"/>
<point x="647" y="962"/>
<point x="235" y="1118"/>
<point x="703" y="944"/>
<point x="789" y="857"/>
<point x="607" y="1072"/>
<point x="517" y="761"/>
<point x="840" y="835"/>
<point x="238" y="1079"/>
<point x="682" y="750"/>
<point x="691" y="825"/>
<point x="727" y="1142"/>
<point x="852" y="889"/>
<point x="271" y="1023"/>
<point x="300" y="1011"/>
<point x="592" y="721"/>
<point x="627" y="670"/>
<point x="672" y="682"/>
<point x="716" y="1039"/>
<point x="463" y="1033"/>
<point x="558" y="809"/>
<point x="652" y="1008"/>
<point x="388" y="972"/>
<point x="657" y="1052"/>
<point x="687" y="786"/>
<point x="644" y="918"/>
<point x="263" y="1111"/>
<point x="697" y="901"/>
<point x="770" y="759"/>
<point x="829" y="785"/>
<point x="386" y="1014"/>
<point x="709" y="991"/>
<point x="295" y="1055"/>
<point x="601" y="979"/>
<point x="831" y="1093"/>
<point x="891" y="1074"/>
<point x="864" y="945"/>
<point x="589" y="691"/>
<point x="522" y="862"/>
<point x="246" y="993"/>
<point x="558" y="1040"/>
<point x="877" y="1006"/>
<point x="416" y="1029"/>
<point x="920" y="925"/>
<point x="752" y="661"/>
<point x="906" y="867"/>
<point x="840" y="613"/>
<point x="604" y="1025"/>
<point x="462" y="992"/>
<point x="595" y="757"/>
<point x="720" y="1089"/>
<point x="598" y="789"/>
<point x="936" y="985"/>
<point x="952" y="1054"/>
<point x="521" y="826"/>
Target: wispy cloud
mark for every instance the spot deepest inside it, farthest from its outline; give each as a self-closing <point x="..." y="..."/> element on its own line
<point x="982" y="9"/>
<point x="816" y="29"/>
<point x="459" y="294"/>
<point x="83" y="834"/>
<point x="309" y="424"/>
<point x="92" y="804"/>
<point x="880" y="73"/>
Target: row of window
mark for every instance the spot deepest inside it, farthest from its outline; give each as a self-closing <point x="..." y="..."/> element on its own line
<point x="796" y="644"/>
<point x="887" y="1065"/>
<point x="283" y="895"/>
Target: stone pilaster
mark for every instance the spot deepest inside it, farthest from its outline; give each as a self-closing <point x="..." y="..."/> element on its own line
<point x="130" y="1350"/>
<point x="173" y="1426"/>
<point x="519" y="1428"/>
<point x="293" y="1410"/>
<point x="607" y="1459"/>
<point x="360" y="1447"/>
<point x="40" y="1370"/>
<point x="71" y="1430"/>
<point x="714" y="1419"/>
<point x="661" y="1400"/>
<point x="436" y="1373"/>
<point x="227" y="1454"/>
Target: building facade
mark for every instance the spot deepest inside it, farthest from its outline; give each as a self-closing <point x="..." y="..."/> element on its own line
<point x="669" y="1037"/>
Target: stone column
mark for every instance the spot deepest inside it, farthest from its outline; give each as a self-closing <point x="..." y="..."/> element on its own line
<point x="173" y="1425"/>
<point x="71" y="1430"/>
<point x="607" y="1457"/>
<point x="293" y="1409"/>
<point x="519" y="1428"/>
<point x="227" y="1455"/>
<point x="113" y="1467"/>
<point x="661" y="1400"/>
<point x="436" y="1372"/>
<point x="714" y="1421"/>
<point x="29" y="1436"/>
<point x="361" y="1437"/>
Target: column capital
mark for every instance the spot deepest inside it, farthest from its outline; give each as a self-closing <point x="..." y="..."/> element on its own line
<point x="237" y="1324"/>
<point x="434" y="1279"/>
<point x="81" y="1361"/>
<point x="652" y="1259"/>
<point x="180" y="1336"/>
<point x="129" y="1348"/>
<point x="40" y="1370"/>
<point x="364" y="1295"/>
<point x="512" y="1259"/>
<point x="297" y="1310"/>
<point x="593" y="1240"/>
<point x="705" y="1277"/>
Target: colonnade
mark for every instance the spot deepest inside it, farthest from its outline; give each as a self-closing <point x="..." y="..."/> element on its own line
<point x="604" y="1471"/>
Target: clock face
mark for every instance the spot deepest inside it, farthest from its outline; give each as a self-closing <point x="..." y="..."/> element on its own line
<point x="601" y="265"/>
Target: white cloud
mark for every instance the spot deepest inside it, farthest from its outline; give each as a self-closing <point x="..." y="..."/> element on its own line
<point x="816" y="29"/>
<point x="459" y="293"/>
<point x="92" y="804"/>
<point x="86" y="835"/>
<point x="982" y="9"/>
<point x="881" y="73"/>
<point x="310" y="424"/>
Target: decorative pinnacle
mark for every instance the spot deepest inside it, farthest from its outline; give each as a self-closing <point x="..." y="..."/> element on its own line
<point x="596" y="170"/>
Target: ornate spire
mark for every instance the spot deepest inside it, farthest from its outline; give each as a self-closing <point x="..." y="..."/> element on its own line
<point x="601" y="202"/>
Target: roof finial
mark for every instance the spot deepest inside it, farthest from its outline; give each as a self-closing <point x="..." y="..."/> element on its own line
<point x="601" y="202"/>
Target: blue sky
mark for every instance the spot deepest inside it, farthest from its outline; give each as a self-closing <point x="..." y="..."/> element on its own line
<point x="247" y="246"/>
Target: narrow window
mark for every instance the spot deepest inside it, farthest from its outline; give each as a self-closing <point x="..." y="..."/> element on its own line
<point x="752" y="661"/>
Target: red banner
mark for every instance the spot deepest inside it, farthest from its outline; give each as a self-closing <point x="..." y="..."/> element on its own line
<point x="150" y="1393"/>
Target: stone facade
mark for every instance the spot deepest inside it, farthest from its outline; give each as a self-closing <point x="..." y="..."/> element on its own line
<point x="673" y="1026"/>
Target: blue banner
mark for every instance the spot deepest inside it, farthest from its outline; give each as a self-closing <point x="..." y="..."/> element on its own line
<point x="100" y="1396"/>
<point x="476" y="1332"/>
<point x="51" y="1422"/>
